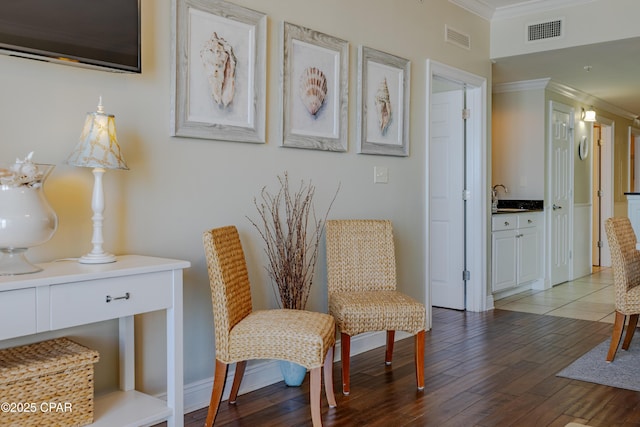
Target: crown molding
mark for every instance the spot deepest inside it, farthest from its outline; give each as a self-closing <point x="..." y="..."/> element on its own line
<point x="520" y="85"/>
<point x="477" y="7"/>
<point x="525" y="7"/>
<point x="564" y="90"/>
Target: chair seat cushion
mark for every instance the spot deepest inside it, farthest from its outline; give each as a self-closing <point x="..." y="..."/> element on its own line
<point x="299" y="336"/>
<point x="358" y="312"/>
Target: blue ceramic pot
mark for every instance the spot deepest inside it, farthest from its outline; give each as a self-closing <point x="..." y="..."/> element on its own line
<point x="292" y="373"/>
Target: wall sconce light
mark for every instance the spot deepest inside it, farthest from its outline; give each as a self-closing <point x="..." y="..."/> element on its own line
<point x="98" y="149"/>
<point x="589" y="115"/>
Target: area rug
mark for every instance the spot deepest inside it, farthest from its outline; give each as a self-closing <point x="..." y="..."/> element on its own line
<point x="623" y="372"/>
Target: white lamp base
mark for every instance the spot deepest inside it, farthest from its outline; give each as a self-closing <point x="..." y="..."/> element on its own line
<point x="103" y="258"/>
<point x="97" y="254"/>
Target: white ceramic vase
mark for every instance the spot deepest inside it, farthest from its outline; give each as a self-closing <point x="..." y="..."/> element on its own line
<point x="26" y="218"/>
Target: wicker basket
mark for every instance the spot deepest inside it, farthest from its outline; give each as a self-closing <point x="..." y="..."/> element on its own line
<point x="48" y="383"/>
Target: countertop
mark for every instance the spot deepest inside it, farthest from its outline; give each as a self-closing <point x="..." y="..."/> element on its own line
<point x="519" y="206"/>
<point x="515" y="211"/>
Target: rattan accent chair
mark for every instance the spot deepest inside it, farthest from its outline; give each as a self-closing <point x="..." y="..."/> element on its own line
<point x="625" y="259"/>
<point x="303" y="337"/>
<point x="361" y="277"/>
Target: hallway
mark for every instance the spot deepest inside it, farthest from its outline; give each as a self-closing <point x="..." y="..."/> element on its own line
<point x="587" y="298"/>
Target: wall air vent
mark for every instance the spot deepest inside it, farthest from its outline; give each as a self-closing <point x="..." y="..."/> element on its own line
<point x="544" y="30"/>
<point x="457" y="38"/>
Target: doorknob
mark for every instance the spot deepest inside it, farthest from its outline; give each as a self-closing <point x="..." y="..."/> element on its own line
<point x="555" y="207"/>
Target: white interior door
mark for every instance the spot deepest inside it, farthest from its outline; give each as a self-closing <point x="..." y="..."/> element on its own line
<point x="446" y="186"/>
<point x="474" y="296"/>
<point x="561" y="191"/>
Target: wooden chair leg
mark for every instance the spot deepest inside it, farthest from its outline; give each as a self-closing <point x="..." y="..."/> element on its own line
<point x="631" y="329"/>
<point x="219" y="379"/>
<point x="314" y="391"/>
<point x="618" y="325"/>
<point x="237" y="379"/>
<point x="345" y="344"/>
<point x="419" y="359"/>
<point x="388" y="356"/>
<point x="328" y="378"/>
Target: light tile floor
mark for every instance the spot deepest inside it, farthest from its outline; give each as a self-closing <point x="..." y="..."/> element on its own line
<point x="588" y="298"/>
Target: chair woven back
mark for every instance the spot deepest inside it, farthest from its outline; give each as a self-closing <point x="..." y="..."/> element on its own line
<point x="625" y="258"/>
<point x="360" y="255"/>
<point x="229" y="281"/>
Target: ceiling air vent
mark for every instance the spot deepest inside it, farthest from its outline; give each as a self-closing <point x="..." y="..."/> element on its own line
<point x="544" y="30"/>
<point x="456" y="37"/>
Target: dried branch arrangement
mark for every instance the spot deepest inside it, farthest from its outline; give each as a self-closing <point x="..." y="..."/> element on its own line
<point x="291" y="232"/>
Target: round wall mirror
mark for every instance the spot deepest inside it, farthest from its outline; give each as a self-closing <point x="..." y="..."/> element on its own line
<point x="583" y="148"/>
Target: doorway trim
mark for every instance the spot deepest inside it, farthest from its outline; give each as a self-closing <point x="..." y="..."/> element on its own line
<point x="477" y="187"/>
<point x="607" y="181"/>
<point x="635" y="133"/>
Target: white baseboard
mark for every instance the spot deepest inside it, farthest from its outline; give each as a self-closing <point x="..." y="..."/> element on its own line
<point x="490" y="302"/>
<point x="261" y="373"/>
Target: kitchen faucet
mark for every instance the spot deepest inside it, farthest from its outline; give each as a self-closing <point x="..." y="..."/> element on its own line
<point x="495" y="189"/>
<point x="494" y="196"/>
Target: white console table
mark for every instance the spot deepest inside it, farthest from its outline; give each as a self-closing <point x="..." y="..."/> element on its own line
<point x="67" y="293"/>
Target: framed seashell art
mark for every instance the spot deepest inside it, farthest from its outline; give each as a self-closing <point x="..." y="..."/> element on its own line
<point x="219" y="71"/>
<point x="382" y="103"/>
<point x="315" y="89"/>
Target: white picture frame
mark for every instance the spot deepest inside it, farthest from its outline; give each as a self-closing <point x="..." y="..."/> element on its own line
<point x="320" y="63"/>
<point x="219" y="71"/>
<point x="382" y="103"/>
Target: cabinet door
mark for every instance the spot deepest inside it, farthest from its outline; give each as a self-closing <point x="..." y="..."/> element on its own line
<point x="528" y="254"/>
<point x="504" y="260"/>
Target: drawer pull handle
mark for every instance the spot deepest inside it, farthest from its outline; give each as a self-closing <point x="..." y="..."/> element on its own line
<point x="506" y="223"/>
<point x="529" y="221"/>
<point x="126" y="296"/>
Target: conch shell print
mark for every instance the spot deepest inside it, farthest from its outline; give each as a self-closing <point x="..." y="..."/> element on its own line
<point x="313" y="89"/>
<point x="383" y="106"/>
<point x="220" y="66"/>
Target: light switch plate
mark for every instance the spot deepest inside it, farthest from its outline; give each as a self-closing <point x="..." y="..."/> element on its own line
<point x="380" y="174"/>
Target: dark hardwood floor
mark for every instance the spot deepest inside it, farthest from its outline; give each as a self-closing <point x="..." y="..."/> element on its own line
<point x="481" y="369"/>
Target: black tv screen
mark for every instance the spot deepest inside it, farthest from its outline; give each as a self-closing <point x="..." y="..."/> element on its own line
<point x="92" y="33"/>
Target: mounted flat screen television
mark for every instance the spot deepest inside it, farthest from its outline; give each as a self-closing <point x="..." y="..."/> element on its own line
<point x="90" y="33"/>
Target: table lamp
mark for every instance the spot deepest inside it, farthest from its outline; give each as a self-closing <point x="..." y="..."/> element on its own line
<point x="98" y="149"/>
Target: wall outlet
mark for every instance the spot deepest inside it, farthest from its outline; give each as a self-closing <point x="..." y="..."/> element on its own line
<point x="380" y="174"/>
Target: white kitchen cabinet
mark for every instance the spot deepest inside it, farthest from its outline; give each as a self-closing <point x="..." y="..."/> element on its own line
<point x="516" y="249"/>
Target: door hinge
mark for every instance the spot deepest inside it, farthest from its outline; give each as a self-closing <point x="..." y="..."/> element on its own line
<point x="600" y="193"/>
<point x="466" y="113"/>
<point x="600" y="143"/>
<point x="466" y="275"/>
<point x="600" y="243"/>
<point x="466" y="194"/>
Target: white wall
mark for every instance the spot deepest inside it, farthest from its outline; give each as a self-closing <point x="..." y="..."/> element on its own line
<point x="518" y="141"/>
<point x="178" y="187"/>
<point x="585" y="22"/>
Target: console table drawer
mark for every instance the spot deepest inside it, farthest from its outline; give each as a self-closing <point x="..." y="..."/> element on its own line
<point x="17" y="313"/>
<point x="90" y="301"/>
